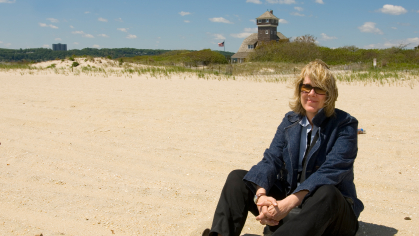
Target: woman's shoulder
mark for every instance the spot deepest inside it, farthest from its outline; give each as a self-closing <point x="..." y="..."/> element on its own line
<point x="343" y="116"/>
<point x="292" y="117"/>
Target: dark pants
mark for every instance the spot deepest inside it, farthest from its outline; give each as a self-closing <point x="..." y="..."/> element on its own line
<point x="325" y="212"/>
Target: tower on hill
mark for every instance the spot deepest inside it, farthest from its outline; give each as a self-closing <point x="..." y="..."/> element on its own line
<point x="267" y="31"/>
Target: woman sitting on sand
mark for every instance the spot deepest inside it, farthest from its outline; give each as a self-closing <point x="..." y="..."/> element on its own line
<point x="304" y="183"/>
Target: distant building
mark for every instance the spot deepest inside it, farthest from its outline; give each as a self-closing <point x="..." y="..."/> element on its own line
<point x="59" y="47"/>
<point x="267" y="24"/>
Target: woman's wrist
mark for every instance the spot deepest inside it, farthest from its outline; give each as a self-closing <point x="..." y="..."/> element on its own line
<point x="259" y="193"/>
<point x="260" y="190"/>
<point x="295" y="199"/>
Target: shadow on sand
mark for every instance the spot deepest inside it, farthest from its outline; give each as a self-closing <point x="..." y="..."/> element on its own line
<point x="364" y="230"/>
<point x="373" y="229"/>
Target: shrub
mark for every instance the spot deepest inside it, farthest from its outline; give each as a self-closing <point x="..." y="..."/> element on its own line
<point x="75" y="64"/>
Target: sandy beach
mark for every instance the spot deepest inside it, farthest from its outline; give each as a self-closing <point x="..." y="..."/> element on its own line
<point x="139" y="155"/>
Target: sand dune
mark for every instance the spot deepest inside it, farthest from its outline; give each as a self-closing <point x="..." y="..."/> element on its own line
<point x="139" y="155"/>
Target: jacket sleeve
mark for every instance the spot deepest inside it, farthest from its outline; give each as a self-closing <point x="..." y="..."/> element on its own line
<point x="264" y="174"/>
<point x="339" y="160"/>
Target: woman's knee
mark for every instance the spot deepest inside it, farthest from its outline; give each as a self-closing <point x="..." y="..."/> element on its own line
<point x="236" y="177"/>
<point x="327" y="193"/>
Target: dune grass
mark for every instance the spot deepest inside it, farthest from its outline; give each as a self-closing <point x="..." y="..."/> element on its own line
<point x="271" y="72"/>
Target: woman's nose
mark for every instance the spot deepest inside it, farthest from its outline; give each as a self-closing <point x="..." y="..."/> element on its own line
<point x="312" y="93"/>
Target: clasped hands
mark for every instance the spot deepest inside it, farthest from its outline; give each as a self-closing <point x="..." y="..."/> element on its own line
<point x="271" y="211"/>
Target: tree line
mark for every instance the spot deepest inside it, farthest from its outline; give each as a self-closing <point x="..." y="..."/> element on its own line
<point x="44" y="54"/>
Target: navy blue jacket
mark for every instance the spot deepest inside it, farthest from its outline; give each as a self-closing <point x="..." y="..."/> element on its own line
<point x="330" y="161"/>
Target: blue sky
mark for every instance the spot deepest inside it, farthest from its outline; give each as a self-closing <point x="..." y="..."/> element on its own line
<point x="196" y="25"/>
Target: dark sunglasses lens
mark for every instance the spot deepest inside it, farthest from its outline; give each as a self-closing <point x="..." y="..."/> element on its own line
<point x="306" y="88"/>
<point x="319" y="91"/>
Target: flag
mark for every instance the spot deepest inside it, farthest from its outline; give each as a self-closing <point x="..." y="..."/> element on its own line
<point x="221" y="44"/>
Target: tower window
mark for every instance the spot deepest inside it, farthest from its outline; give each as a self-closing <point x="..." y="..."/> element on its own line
<point x="250" y="46"/>
<point x="266" y="31"/>
<point x="267" y="20"/>
<point x="259" y="21"/>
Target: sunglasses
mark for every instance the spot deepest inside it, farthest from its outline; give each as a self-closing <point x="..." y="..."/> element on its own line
<point x="306" y="88"/>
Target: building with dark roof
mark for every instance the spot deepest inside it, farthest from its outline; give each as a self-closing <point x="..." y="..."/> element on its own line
<point x="267" y="31"/>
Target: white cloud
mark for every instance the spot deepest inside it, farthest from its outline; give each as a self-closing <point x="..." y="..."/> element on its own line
<point x="392" y="10"/>
<point x="7" y="1"/>
<point x="1" y="42"/>
<point x="413" y="40"/>
<point x="298" y="8"/>
<point x="83" y="34"/>
<point x="319" y="1"/>
<point x="282" y="21"/>
<point x="76" y="43"/>
<point x="186" y="21"/>
<point x="57" y="39"/>
<point x="102" y="19"/>
<point x="253" y="20"/>
<point x="296" y="14"/>
<point x="96" y="46"/>
<point x="119" y="20"/>
<point x="240" y="35"/>
<point x="123" y="29"/>
<point x="8" y="44"/>
<point x="53" y="20"/>
<point x="246" y="33"/>
<point x="219" y="37"/>
<point x="326" y="37"/>
<point x="86" y="12"/>
<point x="131" y="36"/>
<point x="184" y="13"/>
<point x="45" y="25"/>
<point x="46" y="46"/>
<point x="384" y="45"/>
<point x="254" y="1"/>
<point x="369" y="27"/>
<point x="251" y="30"/>
<point x="281" y="1"/>
<point x="103" y="35"/>
<point x="394" y="28"/>
<point x="409" y="42"/>
<point x="71" y="26"/>
<point x="220" y="20"/>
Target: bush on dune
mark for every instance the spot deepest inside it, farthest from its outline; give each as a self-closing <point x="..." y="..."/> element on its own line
<point x="304" y="49"/>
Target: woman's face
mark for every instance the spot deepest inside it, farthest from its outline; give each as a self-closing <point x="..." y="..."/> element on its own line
<point x="311" y="101"/>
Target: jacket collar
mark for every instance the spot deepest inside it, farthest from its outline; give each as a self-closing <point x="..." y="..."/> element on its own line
<point x="317" y="120"/>
<point x="319" y="117"/>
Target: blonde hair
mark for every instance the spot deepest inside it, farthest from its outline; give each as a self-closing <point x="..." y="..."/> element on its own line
<point x="320" y="76"/>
